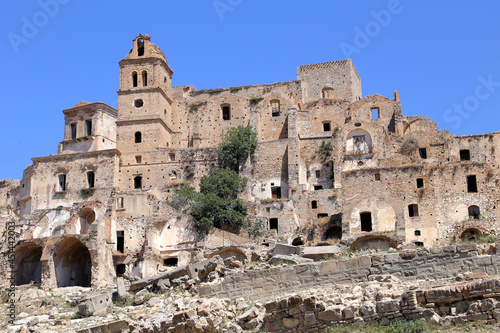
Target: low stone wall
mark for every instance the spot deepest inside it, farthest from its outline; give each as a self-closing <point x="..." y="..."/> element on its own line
<point x="433" y="263"/>
<point x="477" y="301"/>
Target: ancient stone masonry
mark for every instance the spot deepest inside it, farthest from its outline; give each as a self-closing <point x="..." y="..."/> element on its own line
<point x="331" y="165"/>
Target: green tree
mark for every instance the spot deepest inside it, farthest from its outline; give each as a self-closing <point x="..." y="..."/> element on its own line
<point x="217" y="202"/>
<point x="236" y="145"/>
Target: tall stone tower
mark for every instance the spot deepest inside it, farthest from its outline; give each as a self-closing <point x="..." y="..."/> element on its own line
<point x="144" y="101"/>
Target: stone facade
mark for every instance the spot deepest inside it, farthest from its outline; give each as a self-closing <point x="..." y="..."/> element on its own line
<point x="330" y="164"/>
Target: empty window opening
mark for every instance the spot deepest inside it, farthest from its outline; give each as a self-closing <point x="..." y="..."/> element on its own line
<point x="88" y="127"/>
<point x="172" y="157"/>
<point x="413" y="210"/>
<point x="138" y="182"/>
<point x="366" y="221"/>
<point x="474" y="212"/>
<point x="327" y="93"/>
<point x="420" y="182"/>
<point x="377" y="176"/>
<point x="275" y="108"/>
<point x="170" y="262"/>
<point x="120" y="269"/>
<point x="276" y="192"/>
<point x="314" y="204"/>
<point x="138" y="137"/>
<point x="422" y="152"/>
<point x="471" y="183"/>
<point x="419" y="244"/>
<point x="173" y="174"/>
<point x="140" y="47"/>
<point x="90" y="179"/>
<point x="226" y="112"/>
<point x="120" y="241"/>
<point x="138" y="159"/>
<point x="138" y="103"/>
<point x="62" y="183"/>
<point x="322" y="215"/>
<point x="465" y="155"/>
<point x="418" y="233"/>
<point x="134" y="79"/>
<point x="144" y="79"/>
<point x="326" y="127"/>
<point x="297" y="241"/>
<point x="72" y="127"/>
<point x="119" y="202"/>
<point x="318" y="174"/>
<point x="375" y="113"/>
<point x="318" y="187"/>
<point x="273" y="224"/>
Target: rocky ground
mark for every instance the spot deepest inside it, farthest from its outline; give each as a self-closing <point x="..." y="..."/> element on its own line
<point x="175" y="306"/>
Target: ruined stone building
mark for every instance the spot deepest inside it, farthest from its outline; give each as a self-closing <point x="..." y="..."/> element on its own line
<point x="330" y="164"/>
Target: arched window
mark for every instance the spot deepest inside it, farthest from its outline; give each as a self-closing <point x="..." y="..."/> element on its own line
<point x="134" y="79"/>
<point x="138" y="137"/>
<point x="474" y="212"/>
<point x="359" y="142"/>
<point x="144" y="79"/>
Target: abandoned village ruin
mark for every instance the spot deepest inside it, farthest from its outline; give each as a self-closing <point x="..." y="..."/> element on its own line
<point x="98" y="209"/>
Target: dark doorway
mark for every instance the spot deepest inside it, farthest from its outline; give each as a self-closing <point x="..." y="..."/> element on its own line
<point x="366" y="221"/>
<point x="170" y="262"/>
<point x="120" y="241"/>
<point x="273" y="224"/>
<point x="471" y="183"/>
<point x="276" y="192"/>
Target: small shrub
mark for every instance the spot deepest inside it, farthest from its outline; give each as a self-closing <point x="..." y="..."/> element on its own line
<point x="59" y="208"/>
<point x="325" y="151"/>
<point x="256" y="100"/>
<point x="79" y="315"/>
<point x="195" y="106"/>
<point x="234" y="89"/>
<point x="409" y="144"/>
<point x="86" y="192"/>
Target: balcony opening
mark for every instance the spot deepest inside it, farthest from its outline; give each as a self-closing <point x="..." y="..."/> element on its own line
<point x="120" y="241"/>
<point x="273" y="224"/>
<point x="471" y="184"/>
<point x="366" y="221"/>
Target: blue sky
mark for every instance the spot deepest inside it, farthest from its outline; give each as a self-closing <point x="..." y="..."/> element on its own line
<point x="442" y="56"/>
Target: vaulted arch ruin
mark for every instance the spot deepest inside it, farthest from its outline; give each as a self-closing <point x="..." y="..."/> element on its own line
<point x="72" y="263"/>
<point x="28" y="265"/>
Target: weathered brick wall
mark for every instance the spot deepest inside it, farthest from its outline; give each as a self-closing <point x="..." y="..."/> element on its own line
<point x="433" y="263"/>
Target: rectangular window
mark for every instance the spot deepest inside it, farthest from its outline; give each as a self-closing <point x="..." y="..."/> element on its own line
<point x="420" y="182"/>
<point x="471" y="183"/>
<point x="375" y="113"/>
<point x="88" y="127"/>
<point x="226" y="112"/>
<point x="119" y="202"/>
<point x="120" y="269"/>
<point x="377" y="176"/>
<point x="422" y="152"/>
<point x="138" y="182"/>
<point x="276" y="192"/>
<point x="72" y="131"/>
<point x="273" y="224"/>
<point x="322" y="215"/>
<point x="326" y="127"/>
<point x="172" y="157"/>
<point x="138" y="159"/>
<point x="465" y="155"/>
<point x="413" y="210"/>
<point x="318" y="187"/>
<point x="418" y="233"/>
<point x="314" y="204"/>
<point x="90" y="179"/>
<point x="366" y="221"/>
<point x="275" y="108"/>
<point x="62" y="183"/>
<point x="318" y="174"/>
<point x="120" y="241"/>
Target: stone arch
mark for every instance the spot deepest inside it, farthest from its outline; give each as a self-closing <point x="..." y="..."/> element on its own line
<point x="333" y="232"/>
<point x="470" y="233"/>
<point x="359" y="142"/>
<point x="72" y="263"/>
<point x="85" y="218"/>
<point x="27" y="263"/>
<point x="298" y="241"/>
<point x="229" y="252"/>
<point x="373" y="242"/>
